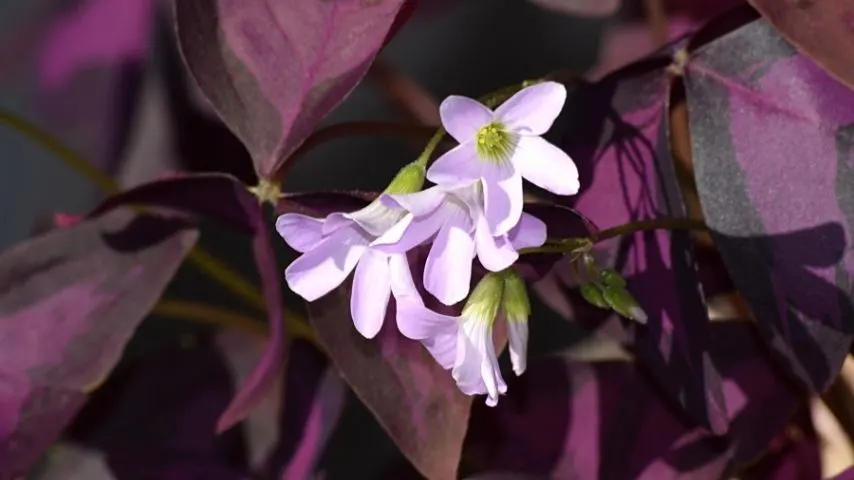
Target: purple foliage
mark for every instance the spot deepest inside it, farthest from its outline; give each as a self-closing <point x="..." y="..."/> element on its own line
<point x="771" y="145"/>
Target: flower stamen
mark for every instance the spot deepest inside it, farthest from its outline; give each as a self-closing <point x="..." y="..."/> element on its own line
<point x="495" y="143"/>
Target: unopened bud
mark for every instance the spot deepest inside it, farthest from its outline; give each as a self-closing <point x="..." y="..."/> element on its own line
<point x="593" y="294"/>
<point x="624" y="303"/>
<point x="485" y="299"/>
<point x="610" y="277"/>
<point x="409" y="179"/>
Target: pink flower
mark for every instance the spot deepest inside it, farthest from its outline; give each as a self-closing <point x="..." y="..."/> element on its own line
<point x="501" y="147"/>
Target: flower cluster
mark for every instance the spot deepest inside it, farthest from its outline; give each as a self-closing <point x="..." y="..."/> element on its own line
<point x="473" y="211"/>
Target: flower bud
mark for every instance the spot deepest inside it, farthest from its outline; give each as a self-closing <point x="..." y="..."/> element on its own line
<point x="485" y="299"/>
<point x="624" y="303"/>
<point x="517" y="309"/>
<point x="409" y="179"/>
<point x="593" y="294"/>
<point x="610" y="277"/>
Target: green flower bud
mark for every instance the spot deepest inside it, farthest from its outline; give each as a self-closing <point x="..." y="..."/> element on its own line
<point x="593" y="294"/>
<point x="516" y="304"/>
<point x="409" y="179"/>
<point x="485" y="299"/>
<point x="624" y="303"/>
<point x="610" y="277"/>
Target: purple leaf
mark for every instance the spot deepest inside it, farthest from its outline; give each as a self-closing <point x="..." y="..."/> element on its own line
<point x="605" y="420"/>
<point x="156" y="417"/>
<point x="314" y="400"/>
<point x="225" y="199"/>
<point x="772" y="147"/>
<point x="794" y="454"/>
<point x="616" y="131"/>
<point x="819" y="28"/>
<point x="274" y="68"/>
<point x="71" y="300"/>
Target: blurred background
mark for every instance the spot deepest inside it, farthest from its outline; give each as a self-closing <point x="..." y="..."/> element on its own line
<point x="105" y="78"/>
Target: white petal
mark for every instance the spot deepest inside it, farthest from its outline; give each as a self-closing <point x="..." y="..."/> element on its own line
<point x="411" y="232"/>
<point x="334" y="222"/>
<point x="443" y="348"/>
<point x="418" y="203"/>
<point x="494" y="253"/>
<point x="533" y="110"/>
<point x="447" y="272"/>
<point x="517" y="334"/>
<point x="546" y="166"/>
<point x="376" y="218"/>
<point x="319" y="270"/>
<point x="476" y="369"/>
<point x="462" y="117"/>
<point x="530" y="232"/>
<point x="371" y="292"/>
<point x="299" y="231"/>
<point x="458" y="166"/>
<point x="503" y="202"/>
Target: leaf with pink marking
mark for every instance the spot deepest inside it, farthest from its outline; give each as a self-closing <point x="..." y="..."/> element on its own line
<point x="616" y="131"/>
<point x="71" y="300"/>
<point x="773" y="149"/>
<point x="223" y="198"/>
<point x="273" y="69"/>
<point x="605" y="420"/>
<point x="584" y="8"/>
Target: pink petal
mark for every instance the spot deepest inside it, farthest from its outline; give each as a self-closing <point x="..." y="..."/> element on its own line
<point x="447" y="272"/>
<point x="443" y="348"/>
<point x="462" y="117"/>
<point x="458" y="166"/>
<point x="371" y="292"/>
<point x="410" y="232"/>
<point x="402" y="284"/>
<point x="319" y="270"/>
<point x="419" y="322"/>
<point x="476" y="369"/>
<point x="300" y="232"/>
<point x="533" y="110"/>
<point x="419" y="203"/>
<point x="530" y="232"/>
<point x="503" y="201"/>
<point x="494" y="253"/>
<point x="335" y="221"/>
<point x="546" y="166"/>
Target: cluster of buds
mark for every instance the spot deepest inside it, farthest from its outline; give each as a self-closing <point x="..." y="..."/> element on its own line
<point x="474" y="210"/>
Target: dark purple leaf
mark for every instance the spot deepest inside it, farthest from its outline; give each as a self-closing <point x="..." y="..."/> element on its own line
<point x="71" y="300"/>
<point x="822" y="29"/>
<point x="225" y="199"/>
<point x="772" y="142"/>
<point x="568" y="419"/>
<point x="157" y="417"/>
<point x="616" y="131"/>
<point x="794" y="454"/>
<point x="274" y="68"/>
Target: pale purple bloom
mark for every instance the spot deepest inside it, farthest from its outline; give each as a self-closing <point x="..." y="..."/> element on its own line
<point x="465" y="344"/>
<point x="453" y="220"/>
<point x="335" y="246"/>
<point x="502" y="147"/>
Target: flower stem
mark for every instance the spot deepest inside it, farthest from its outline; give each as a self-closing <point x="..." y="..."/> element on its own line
<point x="206" y="262"/>
<point x="566" y="245"/>
<point x="204" y="313"/>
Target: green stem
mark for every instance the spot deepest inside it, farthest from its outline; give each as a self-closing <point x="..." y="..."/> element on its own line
<point x="566" y="245"/>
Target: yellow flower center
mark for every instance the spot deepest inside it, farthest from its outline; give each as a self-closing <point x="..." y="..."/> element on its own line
<point x="494" y="143"/>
